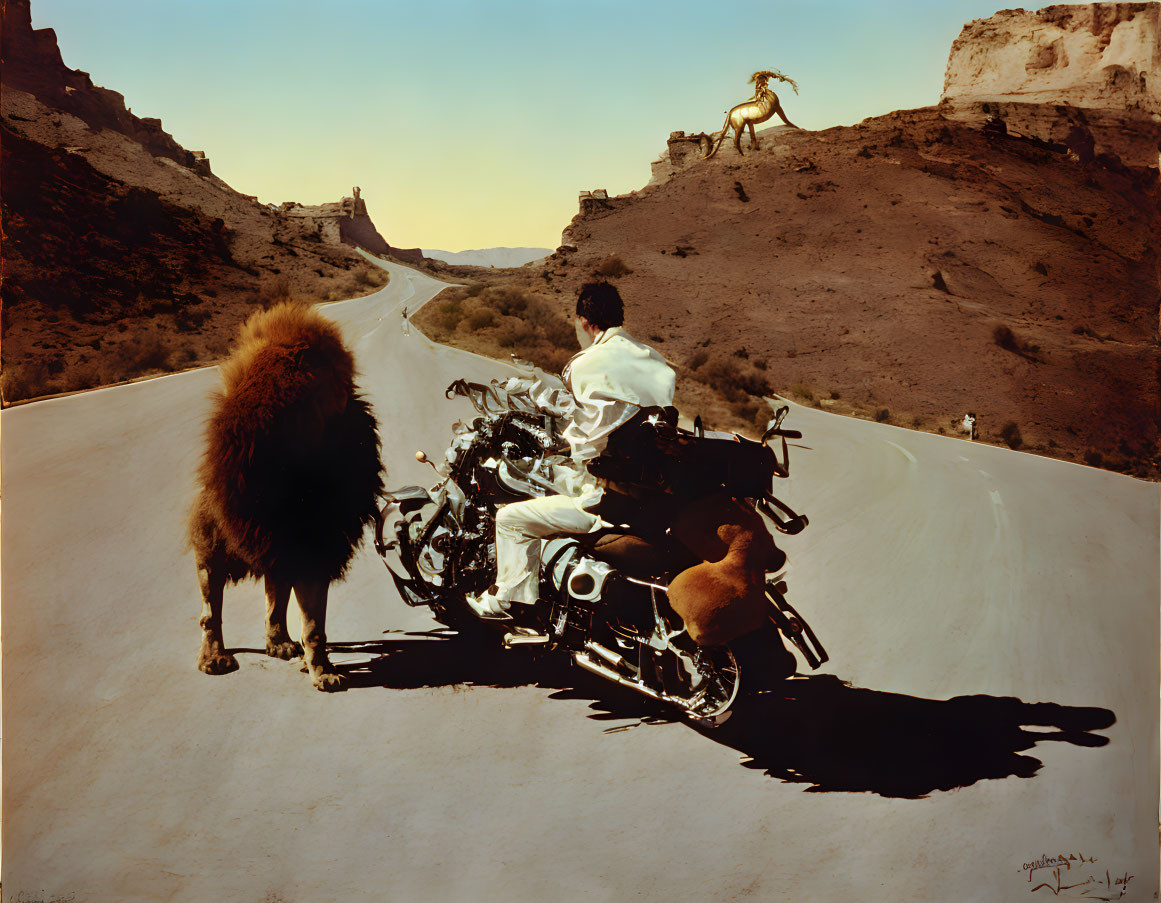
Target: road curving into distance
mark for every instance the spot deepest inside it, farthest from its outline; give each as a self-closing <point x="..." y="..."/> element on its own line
<point x="985" y="612"/>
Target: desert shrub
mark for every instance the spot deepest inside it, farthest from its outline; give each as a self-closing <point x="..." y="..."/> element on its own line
<point x="278" y="290"/>
<point x="835" y="394"/>
<point x="882" y="415"/>
<point x="26" y="380"/>
<point x="514" y="333"/>
<point x="803" y="391"/>
<point x="754" y="382"/>
<point x="369" y="277"/>
<point x="84" y="376"/>
<point x="478" y="319"/>
<point x="742" y="353"/>
<point x="1005" y="338"/>
<point x="508" y="301"/>
<point x="722" y="373"/>
<point x="450" y="313"/>
<point x="550" y="325"/>
<point x="611" y="267"/>
<point x="185" y="356"/>
<point x="1011" y="435"/>
<point x="747" y="409"/>
<point x="697" y="359"/>
<point x="474" y="289"/>
<point x="1093" y="458"/>
<point x="151" y="307"/>
<point x="140" y="353"/>
<point x="728" y="377"/>
<point x="761" y="364"/>
<point x="187" y="320"/>
<point x="270" y="293"/>
<point x="1008" y="340"/>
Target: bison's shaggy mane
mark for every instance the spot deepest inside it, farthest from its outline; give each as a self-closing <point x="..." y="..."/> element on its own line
<point x="291" y="472"/>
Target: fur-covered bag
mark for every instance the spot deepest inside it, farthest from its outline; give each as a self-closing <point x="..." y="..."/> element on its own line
<point x="724" y="597"/>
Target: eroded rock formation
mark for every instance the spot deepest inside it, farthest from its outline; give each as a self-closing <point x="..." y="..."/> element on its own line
<point x="32" y="63"/>
<point x="346" y="221"/>
<point x="1085" y="77"/>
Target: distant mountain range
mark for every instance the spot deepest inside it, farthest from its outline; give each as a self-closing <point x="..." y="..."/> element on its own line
<point x="489" y="257"/>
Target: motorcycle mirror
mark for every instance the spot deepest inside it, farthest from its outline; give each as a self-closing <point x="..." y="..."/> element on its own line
<point x="421" y="457"/>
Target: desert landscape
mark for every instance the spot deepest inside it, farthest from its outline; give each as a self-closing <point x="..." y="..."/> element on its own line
<point x="993" y="254"/>
<point x="123" y="253"/>
<point x="987" y="726"/>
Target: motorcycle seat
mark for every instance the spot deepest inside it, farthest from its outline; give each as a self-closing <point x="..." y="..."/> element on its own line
<point x="634" y="557"/>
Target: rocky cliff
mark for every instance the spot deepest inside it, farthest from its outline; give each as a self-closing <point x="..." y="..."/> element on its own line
<point x="1085" y="77"/>
<point x="123" y="252"/>
<point x="347" y="222"/>
<point x="33" y="64"/>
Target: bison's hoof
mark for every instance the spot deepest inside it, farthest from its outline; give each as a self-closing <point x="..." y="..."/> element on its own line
<point x="330" y="682"/>
<point x="285" y="650"/>
<point x="217" y="663"/>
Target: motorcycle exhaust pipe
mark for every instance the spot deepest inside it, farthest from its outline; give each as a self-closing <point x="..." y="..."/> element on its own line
<point x="607" y="654"/>
<point x="609" y="674"/>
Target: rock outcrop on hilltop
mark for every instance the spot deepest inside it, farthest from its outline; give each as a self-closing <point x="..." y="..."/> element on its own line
<point x="123" y="252"/>
<point x="990" y="254"/>
<point x="347" y="222"/>
<point x="1085" y="77"/>
<point x="33" y="64"/>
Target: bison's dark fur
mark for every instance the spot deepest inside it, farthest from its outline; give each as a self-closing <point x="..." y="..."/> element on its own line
<point x="289" y="481"/>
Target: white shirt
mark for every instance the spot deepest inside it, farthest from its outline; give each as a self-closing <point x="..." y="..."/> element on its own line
<point x="610" y="381"/>
<point x="601" y="388"/>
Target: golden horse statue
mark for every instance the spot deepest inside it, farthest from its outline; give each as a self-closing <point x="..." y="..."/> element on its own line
<point x="758" y="108"/>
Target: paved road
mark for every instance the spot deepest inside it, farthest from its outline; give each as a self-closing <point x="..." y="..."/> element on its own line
<point x="985" y="612"/>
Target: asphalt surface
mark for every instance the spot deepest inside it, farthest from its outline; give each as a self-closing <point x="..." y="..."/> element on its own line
<point x="990" y="704"/>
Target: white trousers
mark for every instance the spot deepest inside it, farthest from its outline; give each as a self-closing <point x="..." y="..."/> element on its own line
<point x="520" y="527"/>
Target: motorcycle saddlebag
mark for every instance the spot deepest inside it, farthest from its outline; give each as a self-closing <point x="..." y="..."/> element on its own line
<point x="649" y="451"/>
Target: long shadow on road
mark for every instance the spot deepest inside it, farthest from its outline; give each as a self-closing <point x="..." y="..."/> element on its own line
<point x="816" y="730"/>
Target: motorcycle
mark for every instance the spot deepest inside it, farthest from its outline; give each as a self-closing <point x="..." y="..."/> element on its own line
<point x="603" y="595"/>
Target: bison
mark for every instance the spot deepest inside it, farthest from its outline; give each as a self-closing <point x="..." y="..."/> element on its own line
<point x="289" y="481"/>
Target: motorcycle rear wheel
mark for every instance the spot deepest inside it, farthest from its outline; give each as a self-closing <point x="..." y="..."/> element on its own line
<point x="714" y="689"/>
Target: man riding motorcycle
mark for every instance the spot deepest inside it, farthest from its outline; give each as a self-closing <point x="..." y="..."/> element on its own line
<point x="609" y="381"/>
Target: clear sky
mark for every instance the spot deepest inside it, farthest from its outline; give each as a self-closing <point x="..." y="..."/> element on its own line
<point x="473" y="124"/>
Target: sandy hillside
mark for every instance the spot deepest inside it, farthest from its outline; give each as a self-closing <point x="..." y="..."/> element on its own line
<point x="910" y="264"/>
<point x="996" y="253"/>
<point x="123" y="252"/>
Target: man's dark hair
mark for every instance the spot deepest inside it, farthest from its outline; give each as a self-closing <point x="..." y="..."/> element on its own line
<point x="600" y="303"/>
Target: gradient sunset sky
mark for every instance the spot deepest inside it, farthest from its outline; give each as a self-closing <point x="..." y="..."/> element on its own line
<point x="475" y="124"/>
